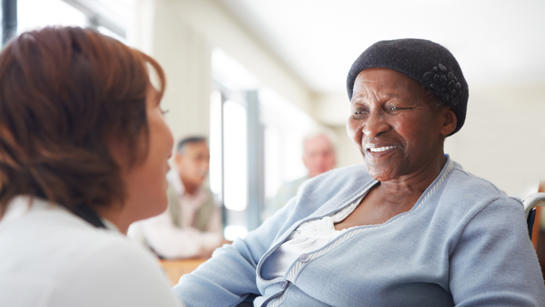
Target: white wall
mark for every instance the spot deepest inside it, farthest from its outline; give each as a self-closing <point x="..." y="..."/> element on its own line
<point x="181" y="34"/>
<point x="346" y="150"/>
<point x="221" y="30"/>
<point x="185" y="56"/>
<point x="503" y="139"/>
<point x="333" y="109"/>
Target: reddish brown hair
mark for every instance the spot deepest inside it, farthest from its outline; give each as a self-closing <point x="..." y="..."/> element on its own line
<point x="66" y="94"/>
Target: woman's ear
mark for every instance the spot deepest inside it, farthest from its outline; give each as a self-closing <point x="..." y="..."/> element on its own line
<point x="449" y="121"/>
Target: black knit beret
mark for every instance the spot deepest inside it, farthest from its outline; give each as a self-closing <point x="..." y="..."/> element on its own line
<point x="428" y="63"/>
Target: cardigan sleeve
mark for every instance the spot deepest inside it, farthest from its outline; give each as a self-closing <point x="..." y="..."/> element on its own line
<point x="493" y="262"/>
<point x="230" y="275"/>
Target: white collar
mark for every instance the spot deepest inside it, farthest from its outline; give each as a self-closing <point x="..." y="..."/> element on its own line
<point x="110" y="226"/>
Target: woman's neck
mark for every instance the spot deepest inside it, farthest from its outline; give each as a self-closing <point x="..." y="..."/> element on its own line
<point x="415" y="183"/>
<point x="114" y="214"/>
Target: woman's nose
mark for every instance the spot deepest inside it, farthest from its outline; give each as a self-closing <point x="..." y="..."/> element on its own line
<point x="375" y="125"/>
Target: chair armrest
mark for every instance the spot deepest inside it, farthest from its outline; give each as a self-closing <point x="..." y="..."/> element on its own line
<point x="532" y="201"/>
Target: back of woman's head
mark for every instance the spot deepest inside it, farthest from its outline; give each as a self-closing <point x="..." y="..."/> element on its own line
<point x="66" y="95"/>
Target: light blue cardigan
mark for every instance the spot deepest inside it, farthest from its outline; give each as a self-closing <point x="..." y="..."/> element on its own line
<point x="464" y="243"/>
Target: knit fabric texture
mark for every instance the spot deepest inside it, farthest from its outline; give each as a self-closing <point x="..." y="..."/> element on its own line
<point x="426" y="62"/>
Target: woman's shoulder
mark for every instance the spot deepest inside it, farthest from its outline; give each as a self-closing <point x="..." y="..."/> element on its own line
<point x="49" y="233"/>
<point x="79" y="265"/>
<point x="470" y="185"/>
<point x="469" y="194"/>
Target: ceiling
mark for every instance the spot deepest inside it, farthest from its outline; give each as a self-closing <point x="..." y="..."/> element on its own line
<point x="497" y="42"/>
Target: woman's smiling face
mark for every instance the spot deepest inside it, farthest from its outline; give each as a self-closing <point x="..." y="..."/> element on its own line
<point x="397" y="125"/>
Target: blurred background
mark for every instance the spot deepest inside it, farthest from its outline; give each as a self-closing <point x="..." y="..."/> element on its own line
<point x="255" y="76"/>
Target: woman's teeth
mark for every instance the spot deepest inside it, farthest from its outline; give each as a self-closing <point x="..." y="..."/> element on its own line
<point x="380" y="149"/>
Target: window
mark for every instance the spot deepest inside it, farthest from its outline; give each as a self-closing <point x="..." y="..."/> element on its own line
<point x="36" y="14"/>
<point x="255" y="142"/>
<point x="108" y="17"/>
<point x="229" y="160"/>
<point x="285" y="127"/>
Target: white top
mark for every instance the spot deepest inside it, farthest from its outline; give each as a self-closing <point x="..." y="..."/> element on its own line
<point x="308" y="237"/>
<point x="50" y="257"/>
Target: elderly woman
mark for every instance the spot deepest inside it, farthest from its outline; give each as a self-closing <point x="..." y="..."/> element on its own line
<point x="83" y="153"/>
<point x="410" y="228"/>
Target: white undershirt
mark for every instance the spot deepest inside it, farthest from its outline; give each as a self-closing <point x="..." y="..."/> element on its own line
<point x="308" y="237"/>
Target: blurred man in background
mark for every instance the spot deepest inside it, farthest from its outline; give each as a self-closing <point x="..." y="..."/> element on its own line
<point x="318" y="157"/>
<point x="191" y="225"/>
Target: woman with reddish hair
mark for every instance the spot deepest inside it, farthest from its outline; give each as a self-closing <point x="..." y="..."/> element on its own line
<point x="83" y="154"/>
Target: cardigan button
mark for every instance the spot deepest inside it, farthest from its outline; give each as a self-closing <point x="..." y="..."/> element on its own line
<point x="304" y="259"/>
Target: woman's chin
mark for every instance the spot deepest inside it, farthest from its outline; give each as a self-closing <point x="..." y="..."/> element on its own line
<point x="380" y="175"/>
